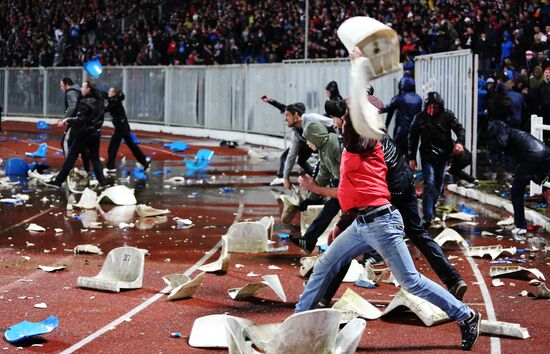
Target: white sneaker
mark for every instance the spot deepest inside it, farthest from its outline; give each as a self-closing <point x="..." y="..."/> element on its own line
<point x="108" y="171"/>
<point x="518" y="231"/>
<point x="277" y="182"/>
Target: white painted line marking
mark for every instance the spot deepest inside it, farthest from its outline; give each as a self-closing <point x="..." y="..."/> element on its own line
<point x="25" y="221"/>
<point x="491" y="316"/>
<point x="149" y="301"/>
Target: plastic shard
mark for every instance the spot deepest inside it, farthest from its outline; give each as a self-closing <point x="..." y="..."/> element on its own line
<point x="177" y="180"/>
<point x="352" y="302"/>
<point x="118" y="214"/>
<point x="450" y="235"/>
<point x="499" y="328"/>
<point x="354" y="272"/>
<point x="428" y="313"/>
<point x="506" y="222"/>
<point x="26" y="329"/>
<point x="391" y="280"/>
<point x="87" y="249"/>
<point x="88" y="200"/>
<point x="254" y="156"/>
<point x="247" y="237"/>
<point x="459" y="216"/>
<point x="499" y="271"/>
<point x="542" y="292"/>
<point x="308" y="216"/>
<point x="493" y="251"/>
<point x="181" y="286"/>
<point x="221" y="265"/>
<point x="201" y="161"/>
<point x="291" y="205"/>
<point x="268" y="222"/>
<point x="209" y="331"/>
<point x="248" y="290"/>
<point x="123" y="268"/>
<point x="349" y="337"/>
<point x="51" y="269"/>
<point x="35" y="228"/>
<point x="147" y="211"/>
<point x="40" y="152"/>
<point x="119" y="195"/>
<point x="177" y="146"/>
<point x="307" y="264"/>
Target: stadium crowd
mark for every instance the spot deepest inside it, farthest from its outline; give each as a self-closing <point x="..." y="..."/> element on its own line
<point x="151" y="32"/>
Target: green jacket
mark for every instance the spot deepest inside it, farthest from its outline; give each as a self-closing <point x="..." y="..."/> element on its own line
<point x="328" y="147"/>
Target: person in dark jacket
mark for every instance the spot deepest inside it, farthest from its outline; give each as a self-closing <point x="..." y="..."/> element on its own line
<point x="544" y="102"/>
<point x="517" y="104"/>
<point x="122" y="130"/>
<point x="72" y="96"/>
<point x="533" y="158"/>
<point x="408" y="104"/>
<point x="500" y="108"/>
<point x="332" y="92"/>
<point x="434" y="125"/>
<point x="86" y="133"/>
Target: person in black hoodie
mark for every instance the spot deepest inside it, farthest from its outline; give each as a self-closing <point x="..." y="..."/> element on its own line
<point x="332" y="92"/>
<point x="533" y="158"/>
<point x="85" y="133"/>
<point x="122" y="130"/>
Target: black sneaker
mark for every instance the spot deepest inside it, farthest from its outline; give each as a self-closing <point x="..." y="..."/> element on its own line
<point x="306" y="246"/>
<point x="470" y="331"/>
<point x="458" y="289"/>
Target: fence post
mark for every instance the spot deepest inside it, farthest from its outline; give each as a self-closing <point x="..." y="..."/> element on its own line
<point x="167" y="95"/>
<point x="536" y="131"/>
<point x="45" y="93"/>
<point x="6" y="81"/>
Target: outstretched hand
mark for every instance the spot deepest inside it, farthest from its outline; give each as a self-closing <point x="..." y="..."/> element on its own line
<point x="307" y="182"/>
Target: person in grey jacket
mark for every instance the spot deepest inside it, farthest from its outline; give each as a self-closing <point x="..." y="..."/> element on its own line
<point x="72" y="96"/>
<point x="296" y="119"/>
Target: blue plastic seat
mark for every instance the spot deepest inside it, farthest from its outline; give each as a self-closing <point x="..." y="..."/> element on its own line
<point x="177" y="146"/>
<point x="42" y="125"/>
<point x="202" y="159"/>
<point x="40" y="152"/>
<point x="16" y="167"/>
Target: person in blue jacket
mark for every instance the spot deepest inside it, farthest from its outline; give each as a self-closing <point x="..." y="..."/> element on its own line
<point x="505" y="47"/>
<point x="408" y="104"/>
<point x="481" y="105"/>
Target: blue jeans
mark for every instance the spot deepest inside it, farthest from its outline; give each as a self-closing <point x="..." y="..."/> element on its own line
<point x="433" y="172"/>
<point x="385" y="235"/>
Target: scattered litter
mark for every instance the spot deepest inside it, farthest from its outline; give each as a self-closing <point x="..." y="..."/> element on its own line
<point x="255" y="156"/>
<point x="352" y="302"/>
<point x="29" y="244"/>
<point x="41" y="305"/>
<point x="247" y="237"/>
<point x="178" y="180"/>
<point x="147" y="211"/>
<point x="222" y="263"/>
<point x="227" y="190"/>
<point x="51" y="269"/>
<point x="175" y="335"/>
<point x="492" y="251"/>
<point x="272" y="267"/>
<point x="181" y="286"/>
<point x="26" y="329"/>
<point x="464" y="209"/>
<point x="523" y="293"/>
<point x="87" y="249"/>
<point x="506" y="222"/>
<point x="26" y="258"/>
<point x="167" y="260"/>
<point x="497" y="283"/>
<point x="201" y="161"/>
<point x="183" y="223"/>
<point x="307" y="265"/>
<point x="498" y="271"/>
<point x="40" y="152"/>
<point x="88" y="200"/>
<point x="503" y="329"/>
<point x="58" y="230"/>
<point x="123" y="268"/>
<point x="35" y="228"/>
<point x="239" y="266"/>
<point x="284" y="236"/>
<point x="119" y="195"/>
<point x="177" y="146"/>
<point x="458" y="216"/>
<point x="428" y="313"/>
<point x="450" y="235"/>
<point x="252" y="274"/>
<point x="248" y="290"/>
<point x="124" y="225"/>
<point x="542" y="292"/>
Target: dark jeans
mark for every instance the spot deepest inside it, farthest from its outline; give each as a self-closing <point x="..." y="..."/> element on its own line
<point x="117" y="137"/>
<point x="518" y="188"/>
<point x="407" y="205"/>
<point x="85" y="141"/>
<point x="458" y="163"/>
<point x="433" y="172"/>
<point x="495" y="157"/>
<point x="66" y="142"/>
<point x="304" y="153"/>
<point x="322" y="221"/>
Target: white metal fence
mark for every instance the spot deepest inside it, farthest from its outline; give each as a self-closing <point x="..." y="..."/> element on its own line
<point x="224" y="97"/>
<point x="454" y="76"/>
<point x="537" y="129"/>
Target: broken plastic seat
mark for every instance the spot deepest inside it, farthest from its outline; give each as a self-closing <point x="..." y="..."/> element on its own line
<point x="42" y="125"/>
<point x="268" y="222"/>
<point x="16" y="167"/>
<point x="493" y="251"/>
<point x="202" y="159"/>
<point x="271" y="281"/>
<point x="25" y="329"/>
<point x="88" y="200"/>
<point x="308" y="216"/>
<point x="182" y="286"/>
<point x="222" y="263"/>
<point x="147" y="211"/>
<point x="515" y="271"/>
<point x="119" y="195"/>
<point x="247" y="237"/>
<point x="428" y="313"/>
<point x="352" y="303"/>
<point x="40" y="152"/>
<point x="450" y="235"/>
<point x="177" y="146"/>
<point x="123" y="269"/>
<point x="209" y="331"/>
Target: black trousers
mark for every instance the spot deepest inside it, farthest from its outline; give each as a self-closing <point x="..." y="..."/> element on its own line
<point x="114" y="145"/>
<point x="80" y="143"/>
<point x="304" y="153"/>
<point x="66" y="141"/>
<point x="407" y="205"/>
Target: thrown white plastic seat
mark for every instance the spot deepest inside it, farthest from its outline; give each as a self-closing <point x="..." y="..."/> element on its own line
<point x="428" y="313"/>
<point x="247" y="237"/>
<point x="123" y="269"/>
<point x="119" y="195"/>
<point x="305" y="332"/>
<point x="269" y="222"/>
<point x="349" y="337"/>
<point x="88" y="200"/>
<point x="236" y="340"/>
<point x="307" y="217"/>
<point x="210" y="331"/>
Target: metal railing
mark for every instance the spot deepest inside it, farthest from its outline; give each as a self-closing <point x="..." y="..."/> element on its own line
<point x="537" y="129"/>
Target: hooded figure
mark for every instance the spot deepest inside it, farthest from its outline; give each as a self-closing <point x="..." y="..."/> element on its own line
<point x="499" y="106"/>
<point x="328" y="147"/>
<point x="408" y="104"/>
<point x="332" y="91"/>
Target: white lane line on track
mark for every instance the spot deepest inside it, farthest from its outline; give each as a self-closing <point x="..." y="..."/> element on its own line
<point x="149" y="301"/>
<point x="491" y="316"/>
<point x="25" y="221"/>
